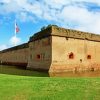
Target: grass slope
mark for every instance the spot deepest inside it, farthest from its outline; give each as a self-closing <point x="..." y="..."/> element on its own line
<point x="14" y="87"/>
<point x="13" y="70"/>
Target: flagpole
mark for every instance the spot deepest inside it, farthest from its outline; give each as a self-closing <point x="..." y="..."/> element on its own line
<point x="15" y="32"/>
<point x="15" y="27"/>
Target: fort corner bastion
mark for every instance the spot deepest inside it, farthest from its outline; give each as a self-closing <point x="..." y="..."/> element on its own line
<point x="56" y="49"/>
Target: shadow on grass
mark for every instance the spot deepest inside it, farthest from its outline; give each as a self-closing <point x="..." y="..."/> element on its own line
<point x="14" y="70"/>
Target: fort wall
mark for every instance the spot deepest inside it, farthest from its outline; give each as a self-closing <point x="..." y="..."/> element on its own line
<point x="56" y="49"/>
<point x="40" y="54"/>
<point x="70" y="54"/>
<point x="17" y="55"/>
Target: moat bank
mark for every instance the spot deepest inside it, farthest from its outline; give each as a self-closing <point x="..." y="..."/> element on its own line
<point x="76" y="74"/>
<point x="14" y="70"/>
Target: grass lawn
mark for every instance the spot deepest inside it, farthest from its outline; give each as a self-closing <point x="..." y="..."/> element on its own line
<point x="14" y="87"/>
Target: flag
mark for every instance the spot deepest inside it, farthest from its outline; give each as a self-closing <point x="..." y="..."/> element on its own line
<point x="16" y="28"/>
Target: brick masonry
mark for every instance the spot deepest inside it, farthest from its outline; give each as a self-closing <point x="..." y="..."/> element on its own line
<point x="57" y="49"/>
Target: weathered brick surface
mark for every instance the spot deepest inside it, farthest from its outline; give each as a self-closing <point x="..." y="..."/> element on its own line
<point x="57" y="50"/>
<point x="15" y="56"/>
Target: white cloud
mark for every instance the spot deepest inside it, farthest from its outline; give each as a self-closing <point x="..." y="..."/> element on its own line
<point x="15" y="41"/>
<point x="67" y="13"/>
<point x="23" y="17"/>
<point x="77" y="14"/>
<point x="3" y="47"/>
<point x="57" y="3"/>
<point x="5" y="1"/>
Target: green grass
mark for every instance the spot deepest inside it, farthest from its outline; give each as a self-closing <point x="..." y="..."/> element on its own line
<point x="14" y="87"/>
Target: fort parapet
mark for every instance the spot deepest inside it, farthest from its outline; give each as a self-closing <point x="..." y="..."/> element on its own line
<point x="56" y="49"/>
<point x="62" y="32"/>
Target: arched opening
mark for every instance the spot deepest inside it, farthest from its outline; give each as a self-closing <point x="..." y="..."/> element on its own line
<point x="88" y="56"/>
<point x="81" y="60"/>
<point x="71" y="56"/>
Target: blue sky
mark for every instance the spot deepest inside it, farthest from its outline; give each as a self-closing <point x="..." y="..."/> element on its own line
<point x="31" y="15"/>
